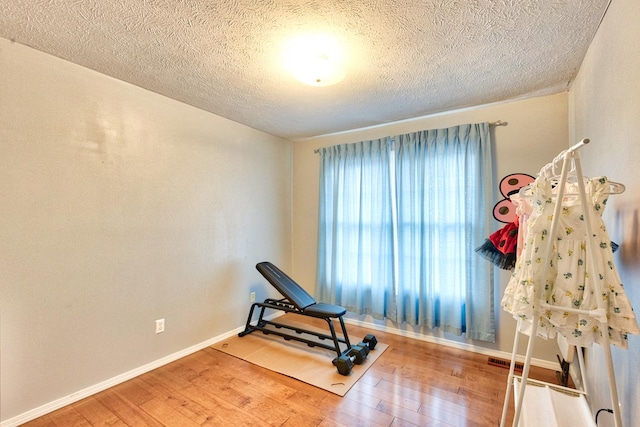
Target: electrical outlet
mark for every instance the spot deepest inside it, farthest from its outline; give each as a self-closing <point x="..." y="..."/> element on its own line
<point x="159" y="326"/>
<point x="252" y="296"/>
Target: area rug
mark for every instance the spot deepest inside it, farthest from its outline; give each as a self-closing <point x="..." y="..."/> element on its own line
<point x="297" y="360"/>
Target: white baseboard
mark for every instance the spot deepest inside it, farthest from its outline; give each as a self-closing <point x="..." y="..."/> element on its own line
<point x="89" y="391"/>
<point x="454" y="344"/>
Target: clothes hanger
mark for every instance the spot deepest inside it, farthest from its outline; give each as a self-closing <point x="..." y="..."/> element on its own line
<point x="616" y="188"/>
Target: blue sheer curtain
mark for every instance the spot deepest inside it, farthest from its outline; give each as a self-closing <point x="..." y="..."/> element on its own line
<point x="355" y="238"/>
<point x="399" y="224"/>
<point x="444" y="185"/>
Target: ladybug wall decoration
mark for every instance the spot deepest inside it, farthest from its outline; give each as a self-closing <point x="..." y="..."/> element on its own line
<point x="505" y="210"/>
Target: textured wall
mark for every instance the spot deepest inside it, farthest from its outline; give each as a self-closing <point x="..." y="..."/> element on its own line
<point x="119" y="207"/>
<point x="604" y="107"/>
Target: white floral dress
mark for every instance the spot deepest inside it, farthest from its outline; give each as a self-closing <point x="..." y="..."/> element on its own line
<point x="568" y="281"/>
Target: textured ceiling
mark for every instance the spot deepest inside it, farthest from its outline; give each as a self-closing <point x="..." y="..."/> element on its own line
<point x="406" y="58"/>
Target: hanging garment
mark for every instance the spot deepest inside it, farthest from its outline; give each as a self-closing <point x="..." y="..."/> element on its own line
<point x="500" y="247"/>
<point x="568" y="281"/>
<point x="523" y="212"/>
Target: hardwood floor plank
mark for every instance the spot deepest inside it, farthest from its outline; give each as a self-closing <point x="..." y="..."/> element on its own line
<point x="394" y="395"/>
<point x="313" y="407"/>
<point x="363" y="398"/>
<point x="413" y="383"/>
<point x="399" y="422"/>
<point x="43" y="421"/>
<point x="371" y="414"/>
<point x="440" y="411"/>
<point x="69" y="417"/>
<point x="343" y="410"/>
<point x="132" y="392"/>
<point x="412" y="416"/>
<point x="172" y="397"/>
<point x="96" y="413"/>
<point x="197" y="403"/>
<point x="430" y="397"/>
<point x="263" y="404"/>
<point x="127" y="411"/>
<point x="167" y="415"/>
<point x="327" y="422"/>
<point x="369" y="378"/>
<point x="460" y="415"/>
<point x="220" y="411"/>
<point x="259" y="383"/>
<point x="301" y="420"/>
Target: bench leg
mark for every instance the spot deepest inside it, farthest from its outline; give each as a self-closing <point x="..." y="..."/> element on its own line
<point x="248" y="328"/>
<point x="344" y="332"/>
<point x="334" y="336"/>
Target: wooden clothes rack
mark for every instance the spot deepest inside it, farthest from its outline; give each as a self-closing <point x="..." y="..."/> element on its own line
<point x="543" y="401"/>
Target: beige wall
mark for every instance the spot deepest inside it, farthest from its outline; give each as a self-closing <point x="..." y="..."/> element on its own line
<point x="536" y="132"/>
<point x="120" y="207"/>
<point x="605" y="107"/>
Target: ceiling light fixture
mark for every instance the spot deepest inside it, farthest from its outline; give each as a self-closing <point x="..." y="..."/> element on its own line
<point x="315" y="60"/>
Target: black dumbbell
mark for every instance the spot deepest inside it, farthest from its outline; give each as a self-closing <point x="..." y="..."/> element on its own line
<point x="364" y="349"/>
<point x="358" y="353"/>
<point x="344" y="364"/>
<point x="370" y="341"/>
<point x="354" y="355"/>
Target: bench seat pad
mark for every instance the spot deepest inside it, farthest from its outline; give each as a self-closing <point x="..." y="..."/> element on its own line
<point x="323" y="310"/>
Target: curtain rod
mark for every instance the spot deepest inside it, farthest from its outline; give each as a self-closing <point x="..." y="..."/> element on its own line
<point x="496" y="123"/>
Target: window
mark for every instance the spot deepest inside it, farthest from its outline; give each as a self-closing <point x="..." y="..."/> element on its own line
<point x="400" y="218"/>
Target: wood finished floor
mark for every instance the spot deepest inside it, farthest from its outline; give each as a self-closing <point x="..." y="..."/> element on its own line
<point x="413" y="383"/>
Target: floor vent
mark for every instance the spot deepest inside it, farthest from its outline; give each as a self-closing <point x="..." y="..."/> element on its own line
<point x="502" y="363"/>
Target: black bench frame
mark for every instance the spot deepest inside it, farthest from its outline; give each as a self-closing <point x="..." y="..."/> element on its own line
<point x="297" y="301"/>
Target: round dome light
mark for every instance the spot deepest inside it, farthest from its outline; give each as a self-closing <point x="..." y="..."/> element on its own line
<point x="315" y="60"/>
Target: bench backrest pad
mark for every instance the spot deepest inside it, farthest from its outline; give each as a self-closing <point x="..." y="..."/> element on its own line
<point x="286" y="285"/>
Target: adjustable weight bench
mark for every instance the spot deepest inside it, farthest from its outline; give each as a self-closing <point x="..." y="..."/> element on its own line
<point x="298" y="301"/>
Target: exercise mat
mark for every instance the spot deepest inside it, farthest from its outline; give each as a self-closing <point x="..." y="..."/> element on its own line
<point x="311" y="365"/>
